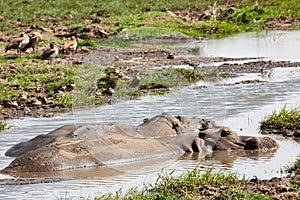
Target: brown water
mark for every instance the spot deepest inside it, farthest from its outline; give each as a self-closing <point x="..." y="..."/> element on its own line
<point x="240" y="107"/>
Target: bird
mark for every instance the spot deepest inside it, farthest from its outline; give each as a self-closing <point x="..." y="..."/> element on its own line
<point x="18" y="43"/>
<point x="50" y="53"/>
<point x="34" y="40"/>
<point x="70" y="45"/>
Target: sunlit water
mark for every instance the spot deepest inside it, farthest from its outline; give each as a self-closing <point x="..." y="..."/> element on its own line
<point x="239" y="107"/>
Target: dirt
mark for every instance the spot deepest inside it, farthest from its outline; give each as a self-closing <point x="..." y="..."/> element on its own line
<point x="278" y="188"/>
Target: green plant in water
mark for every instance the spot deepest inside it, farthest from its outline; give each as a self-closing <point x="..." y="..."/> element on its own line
<point x="294" y="168"/>
<point x="281" y="121"/>
<point x="163" y="79"/>
<point x="65" y="100"/>
<point x="3" y="125"/>
<point x="190" y="75"/>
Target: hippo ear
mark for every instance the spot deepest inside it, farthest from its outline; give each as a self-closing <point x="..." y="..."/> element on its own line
<point x="225" y="132"/>
<point x="178" y="117"/>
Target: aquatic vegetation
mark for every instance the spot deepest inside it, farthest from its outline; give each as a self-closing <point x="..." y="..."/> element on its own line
<point x="3" y="125"/>
<point x="281" y="121"/>
<point x="165" y="78"/>
<point x="294" y="168"/>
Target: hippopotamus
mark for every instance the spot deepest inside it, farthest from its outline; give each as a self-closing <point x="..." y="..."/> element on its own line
<point x="91" y="145"/>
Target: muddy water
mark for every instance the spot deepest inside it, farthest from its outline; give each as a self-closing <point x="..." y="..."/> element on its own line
<point x="240" y="107"/>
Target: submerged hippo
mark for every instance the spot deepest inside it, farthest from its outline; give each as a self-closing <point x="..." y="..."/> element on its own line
<point x="87" y="145"/>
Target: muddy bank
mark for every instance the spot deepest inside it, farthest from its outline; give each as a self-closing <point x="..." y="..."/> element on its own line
<point x="26" y="181"/>
<point x="132" y="62"/>
<point x="278" y="188"/>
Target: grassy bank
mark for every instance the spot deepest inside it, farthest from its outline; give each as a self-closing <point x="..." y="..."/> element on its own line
<point x="161" y="16"/>
<point x="29" y="81"/>
<point x="94" y="22"/>
<point x="209" y="184"/>
<point x="33" y="85"/>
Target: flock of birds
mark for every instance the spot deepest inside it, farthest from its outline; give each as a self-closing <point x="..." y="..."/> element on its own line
<point x="24" y="42"/>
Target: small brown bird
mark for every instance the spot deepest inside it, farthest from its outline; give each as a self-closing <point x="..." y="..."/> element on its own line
<point x="34" y="40"/>
<point x="18" y="44"/>
<point x="70" y="45"/>
<point x="50" y="54"/>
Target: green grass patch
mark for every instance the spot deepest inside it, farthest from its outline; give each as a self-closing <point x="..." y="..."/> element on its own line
<point x="166" y="78"/>
<point x="194" y="184"/>
<point x="33" y="80"/>
<point x="294" y="168"/>
<point x="3" y="125"/>
<point x="281" y="121"/>
<point x="148" y="32"/>
<point x="90" y="43"/>
<point x="252" y="15"/>
<point x="118" y="15"/>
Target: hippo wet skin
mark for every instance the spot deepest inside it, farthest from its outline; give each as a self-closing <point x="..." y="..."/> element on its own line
<point x="91" y="145"/>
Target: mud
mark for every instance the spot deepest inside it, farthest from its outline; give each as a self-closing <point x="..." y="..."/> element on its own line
<point x="278" y="188"/>
<point x="139" y="61"/>
<point x="26" y="181"/>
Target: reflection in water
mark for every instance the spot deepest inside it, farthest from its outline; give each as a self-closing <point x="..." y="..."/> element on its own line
<point x="96" y="173"/>
<point x="226" y="159"/>
<point x="239" y="107"/>
<point x="275" y="45"/>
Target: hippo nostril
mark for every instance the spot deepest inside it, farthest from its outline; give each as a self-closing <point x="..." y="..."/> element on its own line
<point x="175" y="126"/>
<point x="251" y="144"/>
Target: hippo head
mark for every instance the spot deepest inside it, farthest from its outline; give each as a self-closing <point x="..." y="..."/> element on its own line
<point x="165" y="124"/>
<point x="225" y="139"/>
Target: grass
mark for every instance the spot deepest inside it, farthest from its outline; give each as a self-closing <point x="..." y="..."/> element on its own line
<point x="158" y="82"/>
<point x="93" y="84"/>
<point x="281" y="121"/>
<point x="3" y="125"/>
<point x="194" y="184"/>
<point x="151" y="15"/>
<point x="294" y="168"/>
<point x="32" y="80"/>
